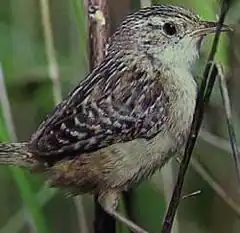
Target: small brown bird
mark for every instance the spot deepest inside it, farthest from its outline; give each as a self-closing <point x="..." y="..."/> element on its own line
<point x="129" y="116"/>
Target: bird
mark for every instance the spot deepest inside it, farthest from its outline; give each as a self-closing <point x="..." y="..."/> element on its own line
<point x="128" y="117"/>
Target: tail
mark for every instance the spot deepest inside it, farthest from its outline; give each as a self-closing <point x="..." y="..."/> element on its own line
<point x="16" y="154"/>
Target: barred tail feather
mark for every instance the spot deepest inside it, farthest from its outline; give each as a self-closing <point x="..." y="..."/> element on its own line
<point x="16" y="154"/>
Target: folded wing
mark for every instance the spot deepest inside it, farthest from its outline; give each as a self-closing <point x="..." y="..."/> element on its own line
<point x="115" y="103"/>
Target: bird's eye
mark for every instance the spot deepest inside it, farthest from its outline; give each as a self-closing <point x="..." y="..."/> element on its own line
<point x="169" y="29"/>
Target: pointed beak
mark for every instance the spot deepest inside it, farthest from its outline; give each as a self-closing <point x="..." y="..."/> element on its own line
<point x="207" y="27"/>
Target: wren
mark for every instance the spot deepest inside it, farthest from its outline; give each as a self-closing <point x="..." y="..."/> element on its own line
<point x="129" y="116"/>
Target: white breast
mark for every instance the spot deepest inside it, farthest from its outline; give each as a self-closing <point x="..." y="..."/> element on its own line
<point x="185" y="93"/>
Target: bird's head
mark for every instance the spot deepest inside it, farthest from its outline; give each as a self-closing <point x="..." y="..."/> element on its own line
<point x="164" y="34"/>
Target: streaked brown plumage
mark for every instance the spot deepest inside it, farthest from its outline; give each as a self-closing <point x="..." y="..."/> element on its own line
<point x="129" y="115"/>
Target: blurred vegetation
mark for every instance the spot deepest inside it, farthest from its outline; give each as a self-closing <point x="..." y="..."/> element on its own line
<point x="27" y="205"/>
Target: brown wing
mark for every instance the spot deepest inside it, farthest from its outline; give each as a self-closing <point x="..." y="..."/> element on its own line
<point x="114" y="104"/>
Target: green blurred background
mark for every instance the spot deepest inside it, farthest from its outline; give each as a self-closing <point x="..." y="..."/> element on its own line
<point x="27" y="205"/>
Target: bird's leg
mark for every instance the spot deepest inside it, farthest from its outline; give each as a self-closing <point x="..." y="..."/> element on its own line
<point x="108" y="201"/>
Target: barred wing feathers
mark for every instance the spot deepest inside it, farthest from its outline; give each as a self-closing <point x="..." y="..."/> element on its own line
<point x="115" y="103"/>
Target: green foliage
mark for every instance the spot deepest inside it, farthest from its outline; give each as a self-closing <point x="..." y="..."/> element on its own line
<point x="25" y="190"/>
